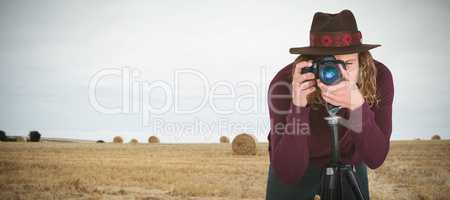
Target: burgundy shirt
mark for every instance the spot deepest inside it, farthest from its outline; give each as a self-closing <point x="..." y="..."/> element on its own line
<point x="292" y="149"/>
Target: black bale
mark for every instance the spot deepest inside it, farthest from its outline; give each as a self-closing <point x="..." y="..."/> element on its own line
<point x="2" y="135"/>
<point x="35" y="136"/>
<point x="5" y="138"/>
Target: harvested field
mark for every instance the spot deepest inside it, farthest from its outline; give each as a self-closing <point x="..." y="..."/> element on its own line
<point x="51" y="170"/>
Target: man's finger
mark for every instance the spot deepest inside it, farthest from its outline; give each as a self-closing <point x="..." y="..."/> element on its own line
<point x="331" y="96"/>
<point x="330" y="88"/>
<point x="303" y="77"/>
<point x="307" y="76"/>
<point x="309" y="90"/>
<point x="302" y="64"/>
<point x="331" y="101"/>
<point x="339" y="93"/>
<point x="307" y="84"/>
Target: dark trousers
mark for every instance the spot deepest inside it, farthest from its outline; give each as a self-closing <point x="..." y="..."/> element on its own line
<point x="309" y="185"/>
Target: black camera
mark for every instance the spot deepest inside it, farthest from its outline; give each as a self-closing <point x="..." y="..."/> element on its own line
<point x="326" y="68"/>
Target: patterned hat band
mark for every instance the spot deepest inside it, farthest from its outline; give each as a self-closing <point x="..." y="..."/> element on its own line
<point x="335" y="39"/>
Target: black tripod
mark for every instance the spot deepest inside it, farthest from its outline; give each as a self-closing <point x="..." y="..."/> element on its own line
<point x="335" y="173"/>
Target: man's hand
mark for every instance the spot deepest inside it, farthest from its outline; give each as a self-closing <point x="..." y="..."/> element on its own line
<point x="302" y="84"/>
<point x="345" y="94"/>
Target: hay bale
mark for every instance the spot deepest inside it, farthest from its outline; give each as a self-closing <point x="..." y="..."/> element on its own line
<point x="20" y="139"/>
<point x="118" y="140"/>
<point x="244" y="144"/>
<point x="3" y="135"/>
<point x="34" y="136"/>
<point x="153" y="139"/>
<point x="436" y="137"/>
<point x="100" y="141"/>
<point x="134" y="141"/>
<point x="224" y="139"/>
<point x="5" y="138"/>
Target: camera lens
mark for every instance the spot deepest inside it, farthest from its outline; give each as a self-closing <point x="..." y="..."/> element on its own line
<point x="330" y="74"/>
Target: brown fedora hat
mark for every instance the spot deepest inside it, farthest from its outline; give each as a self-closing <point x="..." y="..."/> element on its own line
<point x="334" y="34"/>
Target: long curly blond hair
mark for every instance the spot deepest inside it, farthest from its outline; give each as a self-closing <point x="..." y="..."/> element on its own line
<point x="367" y="80"/>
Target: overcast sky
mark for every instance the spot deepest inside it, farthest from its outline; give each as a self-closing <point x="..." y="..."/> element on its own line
<point x="50" y="51"/>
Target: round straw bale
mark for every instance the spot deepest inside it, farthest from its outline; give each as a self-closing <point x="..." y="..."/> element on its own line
<point x="244" y="144"/>
<point x="436" y="137"/>
<point x="134" y="141"/>
<point x="224" y="139"/>
<point x="153" y="139"/>
<point x="118" y="140"/>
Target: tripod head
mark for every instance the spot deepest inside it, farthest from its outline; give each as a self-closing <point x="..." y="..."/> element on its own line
<point x="332" y="109"/>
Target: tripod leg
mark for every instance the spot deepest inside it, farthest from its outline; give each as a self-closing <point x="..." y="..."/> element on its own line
<point x="323" y="184"/>
<point x="351" y="178"/>
<point x="340" y="191"/>
<point x="325" y="187"/>
<point x="332" y="192"/>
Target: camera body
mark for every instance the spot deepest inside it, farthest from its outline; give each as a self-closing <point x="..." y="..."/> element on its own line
<point x="326" y="68"/>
